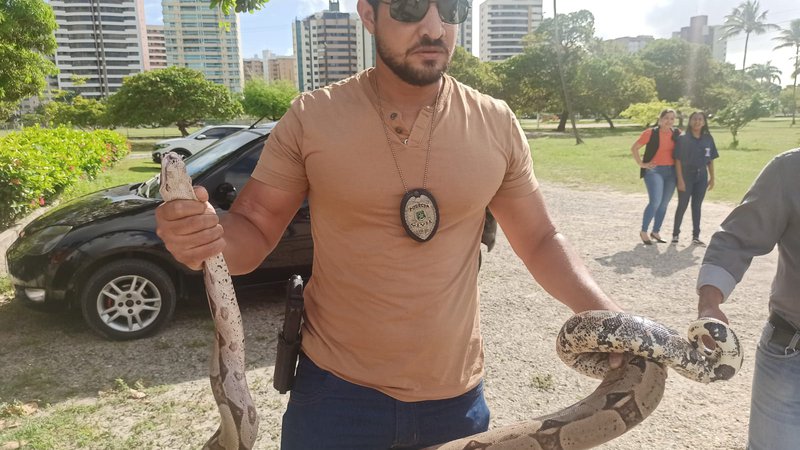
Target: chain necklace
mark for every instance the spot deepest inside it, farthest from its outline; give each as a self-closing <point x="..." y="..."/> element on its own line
<point x="419" y="212"/>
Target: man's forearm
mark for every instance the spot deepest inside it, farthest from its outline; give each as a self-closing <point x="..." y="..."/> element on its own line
<point x="560" y="271"/>
<point x="245" y="246"/>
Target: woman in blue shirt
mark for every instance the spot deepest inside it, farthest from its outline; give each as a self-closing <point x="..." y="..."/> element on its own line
<point x="695" y="153"/>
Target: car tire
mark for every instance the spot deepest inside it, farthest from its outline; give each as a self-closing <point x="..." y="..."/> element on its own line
<point x="145" y="299"/>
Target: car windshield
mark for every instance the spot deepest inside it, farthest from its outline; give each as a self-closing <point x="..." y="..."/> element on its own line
<point x="201" y="161"/>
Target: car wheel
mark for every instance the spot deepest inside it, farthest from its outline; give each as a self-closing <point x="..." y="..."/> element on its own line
<point x="128" y="299"/>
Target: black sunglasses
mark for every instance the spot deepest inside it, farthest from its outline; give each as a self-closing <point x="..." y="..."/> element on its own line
<point x="450" y="11"/>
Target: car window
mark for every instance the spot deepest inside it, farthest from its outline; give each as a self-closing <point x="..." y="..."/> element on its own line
<point x="239" y="173"/>
<point x="217" y="133"/>
<point x="207" y="159"/>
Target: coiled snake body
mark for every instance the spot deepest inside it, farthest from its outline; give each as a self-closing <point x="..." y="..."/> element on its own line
<point x="626" y="396"/>
<point x="238" y="419"/>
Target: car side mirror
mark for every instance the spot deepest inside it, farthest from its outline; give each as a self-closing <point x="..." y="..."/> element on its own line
<point x="224" y="195"/>
<point x="200" y="137"/>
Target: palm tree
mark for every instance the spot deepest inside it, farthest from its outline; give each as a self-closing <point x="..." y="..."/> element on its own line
<point x="790" y="37"/>
<point x="746" y="19"/>
<point x="767" y="73"/>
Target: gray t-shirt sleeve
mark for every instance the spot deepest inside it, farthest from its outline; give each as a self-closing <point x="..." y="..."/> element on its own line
<point x="753" y="228"/>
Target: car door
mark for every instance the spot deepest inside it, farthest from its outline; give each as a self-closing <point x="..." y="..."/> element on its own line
<point x="295" y="250"/>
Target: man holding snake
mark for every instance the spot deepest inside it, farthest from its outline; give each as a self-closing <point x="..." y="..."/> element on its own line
<point x="392" y="354"/>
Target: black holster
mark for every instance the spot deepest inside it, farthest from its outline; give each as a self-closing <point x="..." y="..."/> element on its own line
<point x="289" y="338"/>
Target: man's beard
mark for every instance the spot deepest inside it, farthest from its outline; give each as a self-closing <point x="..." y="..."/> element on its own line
<point x="425" y="76"/>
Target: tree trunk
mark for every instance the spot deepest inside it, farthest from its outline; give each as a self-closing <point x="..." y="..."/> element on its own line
<point x="746" y="40"/>
<point x="182" y="127"/>
<point x="559" y="51"/>
<point x="562" y="122"/>
<point x="610" y="123"/>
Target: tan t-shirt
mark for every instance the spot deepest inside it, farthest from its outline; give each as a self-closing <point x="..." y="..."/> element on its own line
<point x="383" y="310"/>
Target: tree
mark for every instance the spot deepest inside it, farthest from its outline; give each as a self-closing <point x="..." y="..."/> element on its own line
<point x="766" y="73"/>
<point x="262" y="99"/>
<point x="27" y="37"/>
<point x="532" y="80"/>
<point x="175" y="95"/>
<point x="742" y="111"/>
<point x="746" y="19"/>
<point x="646" y="113"/>
<point x="239" y="6"/>
<point x="679" y="68"/>
<point x="76" y="111"/>
<point x="790" y="37"/>
<point x="609" y="81"/>
<point x="475" y="73"/>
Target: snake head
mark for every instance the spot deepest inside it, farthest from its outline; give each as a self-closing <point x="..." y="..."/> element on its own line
<point x="175" y="181"/>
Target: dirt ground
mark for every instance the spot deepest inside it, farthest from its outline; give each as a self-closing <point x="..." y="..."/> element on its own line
<point x="56" y="362"/>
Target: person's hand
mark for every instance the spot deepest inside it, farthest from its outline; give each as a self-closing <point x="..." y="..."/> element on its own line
<point x="190" y="229"/>
<point x="708" y="303"/>
<point x="710" y="184"/>
<point x="681" y="186"/>
<point x="646" y="165"/>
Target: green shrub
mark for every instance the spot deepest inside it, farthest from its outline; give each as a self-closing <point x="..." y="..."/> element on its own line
<point x="36" y="165"/>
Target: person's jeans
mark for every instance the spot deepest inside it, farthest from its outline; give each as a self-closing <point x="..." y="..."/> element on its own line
<point x="326" y="412"/>
<point x="775" y="401"/>
<point x="696" y="181"/>
<point x="660" y="182"/>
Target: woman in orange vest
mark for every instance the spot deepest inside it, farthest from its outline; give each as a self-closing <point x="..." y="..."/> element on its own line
<point x="658" y="170"/>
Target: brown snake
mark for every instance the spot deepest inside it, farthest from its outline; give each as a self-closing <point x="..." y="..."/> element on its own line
<point x="626" y="396"/>
<point x="238" y="419"/>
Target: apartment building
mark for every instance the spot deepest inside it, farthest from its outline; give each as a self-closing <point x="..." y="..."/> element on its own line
<point x="330" y="46"/>
<point x="156" y="48"/>
<point x="100" y="42"/>
<point x="253" y="69"/>
<point x="700" y="32"/>
<point x="504" y="24"/>
<point x="464" y="36"/>
<point x="277" y="68"/>
<point x="633" y="44"/>
<point x="195" y="39"/>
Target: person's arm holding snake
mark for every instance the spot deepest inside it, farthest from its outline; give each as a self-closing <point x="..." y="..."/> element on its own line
<point x="192" y="231"/>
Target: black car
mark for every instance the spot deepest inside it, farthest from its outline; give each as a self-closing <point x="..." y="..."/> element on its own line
<point x="100" y="252"/>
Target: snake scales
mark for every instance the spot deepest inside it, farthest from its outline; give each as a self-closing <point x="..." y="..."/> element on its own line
<point x="238" y="419"/>
<point x="626" y="396"/>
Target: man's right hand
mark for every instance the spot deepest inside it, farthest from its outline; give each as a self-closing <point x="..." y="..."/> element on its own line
<point x="190" y="229"/>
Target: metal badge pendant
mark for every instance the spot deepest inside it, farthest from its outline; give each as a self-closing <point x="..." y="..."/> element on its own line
<point x="419" y="214"/>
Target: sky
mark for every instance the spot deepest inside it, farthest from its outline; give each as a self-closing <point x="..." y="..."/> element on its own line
<point x="271" y="27"/>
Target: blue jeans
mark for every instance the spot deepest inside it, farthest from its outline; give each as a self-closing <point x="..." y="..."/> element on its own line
<point x="696" y="181"/>
<point x="660" y="182"/>
<point x="326" y="412"/>
<point x="775" y="402"/>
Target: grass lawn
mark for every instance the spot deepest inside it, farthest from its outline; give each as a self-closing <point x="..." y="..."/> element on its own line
<point x="132" y="169"/>
<point x="605" y="158"/>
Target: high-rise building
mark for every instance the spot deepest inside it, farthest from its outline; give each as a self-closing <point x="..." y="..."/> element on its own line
<point x="330" y="46"/>
<point x="464" y="36"/>
<point x="253" y="68"/>
<point x="195" y="39"/>
<point x="700" y="32"/>
<point x="504" y="24"/>
<point x="633" y="44"/>
<point x="100" y="42"/>
<point x="156" y="47"/>
<point x="277" y="68"/>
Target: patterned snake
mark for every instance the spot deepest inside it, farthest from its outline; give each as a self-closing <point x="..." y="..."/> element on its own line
<point x="238" y="419"/>
<point x="626" y="396"/>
